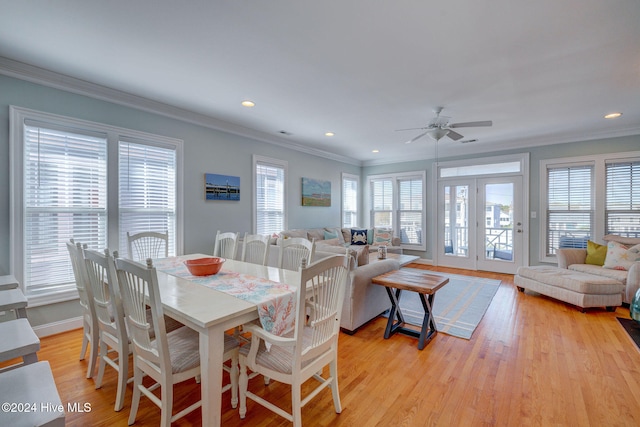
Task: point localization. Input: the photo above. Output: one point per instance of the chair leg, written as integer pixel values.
(333, 371)
(296, 408)
(85, 342)
(123, 373)
(242, 386)
(93, 355)
(135, 398)
(167, 403)
(234, 379)
(103, 353)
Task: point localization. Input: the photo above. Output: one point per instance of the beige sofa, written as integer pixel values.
(574, 259)
(343, 236)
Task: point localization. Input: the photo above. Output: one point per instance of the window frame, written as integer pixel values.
(284, 165)
(352, 178)
(396, 210)
(598, 193)
(17, 256)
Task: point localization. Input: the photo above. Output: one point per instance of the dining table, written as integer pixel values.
(195, 302)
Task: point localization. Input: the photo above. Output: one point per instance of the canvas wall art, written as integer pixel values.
(316, 192)
(221, 187)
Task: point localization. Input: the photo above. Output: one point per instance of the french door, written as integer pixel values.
(480, 223)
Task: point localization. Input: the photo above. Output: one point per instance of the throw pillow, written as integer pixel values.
(382, 237)
(621, 257)
(595, 253)
(370, 236)
(336, 231)
(328, 235)
(358, 236)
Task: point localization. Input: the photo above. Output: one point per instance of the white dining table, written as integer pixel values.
(211, 313)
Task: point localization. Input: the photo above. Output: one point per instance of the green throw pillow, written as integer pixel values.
(595, 253)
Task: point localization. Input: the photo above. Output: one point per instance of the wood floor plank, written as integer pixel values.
(532, 361)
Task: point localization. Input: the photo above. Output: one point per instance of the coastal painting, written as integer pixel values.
(316, 192)
(221, 187)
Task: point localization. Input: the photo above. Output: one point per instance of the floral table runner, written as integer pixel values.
(276, 302)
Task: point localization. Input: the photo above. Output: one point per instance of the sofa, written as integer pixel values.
(336, 236)
(363, 301)
(627, 274)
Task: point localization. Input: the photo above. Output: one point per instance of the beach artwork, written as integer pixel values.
(221, 187)
(316, 192)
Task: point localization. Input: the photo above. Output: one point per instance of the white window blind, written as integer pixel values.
(382, 203)
(65, 196)
(349, 201)
(622, 210)
(270, 197)
(410, 215)
(570, 208)
(147, 191)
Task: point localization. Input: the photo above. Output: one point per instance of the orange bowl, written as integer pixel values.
(204, 266)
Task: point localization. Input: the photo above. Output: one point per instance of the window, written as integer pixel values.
(585, 198)
(569, 208)
(147, 191)
(623, 199)
(270, 197)
(349, 200)
(62, 190)
(397, 202)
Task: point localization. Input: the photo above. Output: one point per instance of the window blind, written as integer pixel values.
(570, 208)
(349, 202)
(270, 207)
(65, 196)
(410, 195)
(382, 203)
(147, 191)
(622, 209)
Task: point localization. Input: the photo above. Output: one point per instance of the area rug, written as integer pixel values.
(633, 329)
(458, 307)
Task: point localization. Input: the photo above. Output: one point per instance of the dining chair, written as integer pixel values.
(255, 248)
(169, 358)
(293, 250)
(303, 353)
(90, 336)
(226, 245)
(147, 244)
(111, 324)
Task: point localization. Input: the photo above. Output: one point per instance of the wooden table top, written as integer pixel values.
(411, 280)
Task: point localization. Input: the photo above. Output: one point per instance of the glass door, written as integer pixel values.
(456, 241)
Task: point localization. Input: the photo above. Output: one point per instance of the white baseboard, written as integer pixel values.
(423, 261)
(58, 327)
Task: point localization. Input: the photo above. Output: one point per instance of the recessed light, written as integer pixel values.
(375, 151)
(248, 103)
(329, 134)
(612, 115)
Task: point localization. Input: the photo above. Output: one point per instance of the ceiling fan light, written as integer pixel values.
(438, 134)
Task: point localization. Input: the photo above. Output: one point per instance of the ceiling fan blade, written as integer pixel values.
(420, 128)
(414, 139)
(471, 124)
(454, 135)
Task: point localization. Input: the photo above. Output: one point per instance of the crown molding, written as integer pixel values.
(33, 74)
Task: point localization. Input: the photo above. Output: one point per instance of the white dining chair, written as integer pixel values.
(111, 324)
(255, 248)
(293, 250)
(147, 244)
(90, 335)
(303, 353)
(226, 245)
(171, 357)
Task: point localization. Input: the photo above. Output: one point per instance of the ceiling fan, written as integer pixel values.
(439, 127)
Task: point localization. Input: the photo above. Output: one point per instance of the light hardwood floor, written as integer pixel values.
(532, 361)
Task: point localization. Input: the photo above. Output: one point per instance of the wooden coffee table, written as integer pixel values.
(424, 284)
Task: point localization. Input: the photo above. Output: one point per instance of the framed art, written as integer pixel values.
(316, 192)
(221, 187)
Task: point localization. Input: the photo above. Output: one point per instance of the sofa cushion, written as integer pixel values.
(316, 234)
(595, 253)
(382, 236)
(358, 236)
(287, 234)
(619, 275)
(620, 256)
(620, 239)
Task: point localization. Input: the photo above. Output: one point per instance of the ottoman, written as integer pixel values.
(581, 289)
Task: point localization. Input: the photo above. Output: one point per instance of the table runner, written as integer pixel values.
(275, 301)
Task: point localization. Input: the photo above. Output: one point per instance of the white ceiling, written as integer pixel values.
(544, 71)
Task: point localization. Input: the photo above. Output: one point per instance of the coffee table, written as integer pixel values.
(425, 285)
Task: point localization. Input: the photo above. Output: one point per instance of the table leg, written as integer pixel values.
(394, 313)
(429, 329)
(211, 357)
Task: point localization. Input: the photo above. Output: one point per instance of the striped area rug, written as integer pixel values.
(458, 307)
